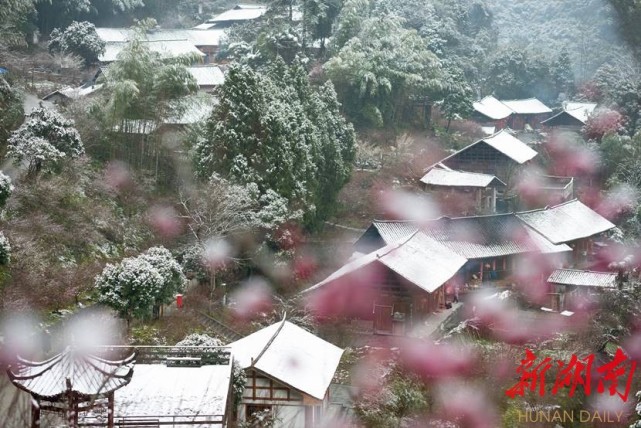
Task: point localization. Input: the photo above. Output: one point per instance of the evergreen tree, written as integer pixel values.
(381, 71)
(45, 139)
(79, 38)
(280, 135)
(12, 110)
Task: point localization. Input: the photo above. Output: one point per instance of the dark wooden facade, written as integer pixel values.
(482, 157)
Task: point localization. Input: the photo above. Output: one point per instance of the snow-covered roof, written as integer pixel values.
(418, 258)
(112, 35)
(527, 106)
(510, 146)
(240, 13)
(492, 108)
(205, 26)
(545, 246)
(74, 93)
(503, 142)
(74, 370)
(290, 355)
(199, 37)
(209, 75)
(166, 48)
(192, 109)
(584, 278)
(205, 37)
(193, 394)
(566, 222)
(488, 130)
(450, 178)
(579, 111)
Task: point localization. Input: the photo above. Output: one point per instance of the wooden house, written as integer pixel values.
(501, 155)
(528, 111)
(208, 77)
(490, 112)
(572, 118)
(392, 289)
(571, 223)
(462, 192)
(567, 283)
(201, 43)
(289, 371)
(239, 14)
(514, 114)
(539, 190)
(493, 245)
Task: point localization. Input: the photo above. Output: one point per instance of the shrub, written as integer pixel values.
(6, 188)
(5, 250)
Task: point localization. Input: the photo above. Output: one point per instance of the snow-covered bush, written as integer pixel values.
(197, 339)
(130, 287)
(173, 279)
(44, 140)
(79, 38)
(5, 250)
(136, 284)
(6, 188)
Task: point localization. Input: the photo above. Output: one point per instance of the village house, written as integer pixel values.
(500, 155)
(514, 114)
(572, 118)
(462, 192)
(201, 44)
(539, 190)
(289, 371)
(492, 244)
(239, 14)
(569, 283)
(394, 288)
(492, 113)
(530, 112)
(570, 223)
(208, 78)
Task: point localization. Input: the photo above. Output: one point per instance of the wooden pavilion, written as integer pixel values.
(71, 382)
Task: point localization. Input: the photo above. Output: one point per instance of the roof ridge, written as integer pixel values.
(395, 245)
(588, 271)
(270, 341)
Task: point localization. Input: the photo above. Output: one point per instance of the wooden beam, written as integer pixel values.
(110, 410)
(35, 413)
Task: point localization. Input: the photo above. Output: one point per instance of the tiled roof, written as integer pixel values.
(240, 13)
(504, 143)
(418, 258)
(527, 106)
(510, 146)
(393, 231)
(84, 374)
(566, 222)
(199, 37)
(210, 75)
(291, 355)
(492, 108)
(166, 48)
(452, 178)
(580, 111)
(584, 278)
(472, 237)
(482, 236)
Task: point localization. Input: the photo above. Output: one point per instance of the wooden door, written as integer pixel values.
(383, 319)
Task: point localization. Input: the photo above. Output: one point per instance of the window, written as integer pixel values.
(254, 412)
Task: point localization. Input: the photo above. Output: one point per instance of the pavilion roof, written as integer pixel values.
(71, 371)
